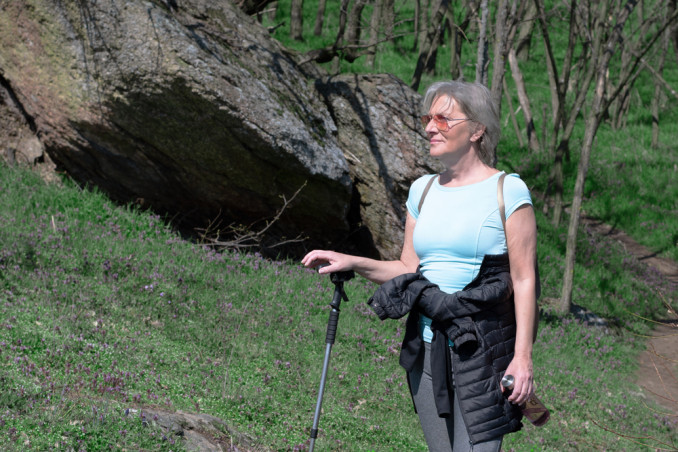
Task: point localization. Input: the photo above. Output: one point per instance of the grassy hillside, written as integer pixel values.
(105, 314)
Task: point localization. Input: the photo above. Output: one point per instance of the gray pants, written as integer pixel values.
(442, 434)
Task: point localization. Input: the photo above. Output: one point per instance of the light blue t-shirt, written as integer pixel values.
(457, 227)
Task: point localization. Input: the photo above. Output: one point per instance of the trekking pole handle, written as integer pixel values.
(338, 278)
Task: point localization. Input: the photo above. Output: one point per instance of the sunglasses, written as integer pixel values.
(440, 121)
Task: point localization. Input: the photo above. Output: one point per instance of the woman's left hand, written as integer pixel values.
(523, 385)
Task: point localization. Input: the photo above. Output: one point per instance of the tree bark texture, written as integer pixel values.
(551, 68)
(524, 100)
(417, 22)
(559, 85)
(457, 32)
(388, 16)
(658, 92)
(501, 31)
(353, 27)
(512, 114)
(524, 38)
(375, 27)
(482, 59)
(424, 19)
(430, 43)
(297, 20)
(319, 18)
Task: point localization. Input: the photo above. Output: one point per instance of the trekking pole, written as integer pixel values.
(338, 279)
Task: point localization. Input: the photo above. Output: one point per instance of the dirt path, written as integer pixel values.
(658, 364)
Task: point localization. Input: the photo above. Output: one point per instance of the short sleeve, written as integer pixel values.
(416, 190)
(516, 193)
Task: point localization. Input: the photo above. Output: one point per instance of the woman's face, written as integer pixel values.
(453, 134)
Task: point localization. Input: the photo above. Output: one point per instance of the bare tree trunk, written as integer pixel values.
(375, 23)
(319, 18)
(431, 61)
(592, 123)
(457, 40)
(297, 20)
(558, 95)
(544, 121)
(430, 43)
(532, 139)
(424, 21)
(524, 38)
(455, 46)
(656, 98)
(501, 31)
(551, 68)
(622, 109)
(339, 50)
(573, 229)
(272, 11)
(483, 59)
(673, 6)
(622, 103)
(417, 23)
(354, 23)
(512, 114)
(564, 146)
(388, 17)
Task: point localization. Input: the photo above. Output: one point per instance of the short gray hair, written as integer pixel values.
(475, 101)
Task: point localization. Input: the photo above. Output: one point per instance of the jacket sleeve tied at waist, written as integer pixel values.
(451, 314)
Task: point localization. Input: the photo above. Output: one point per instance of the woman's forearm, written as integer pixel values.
(375, 270)
(524, 297)
(380, 271)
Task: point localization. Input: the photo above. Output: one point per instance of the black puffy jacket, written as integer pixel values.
(480, 320)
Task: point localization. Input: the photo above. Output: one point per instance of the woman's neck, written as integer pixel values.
(465, 173)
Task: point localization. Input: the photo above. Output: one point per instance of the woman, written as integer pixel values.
(459, 224)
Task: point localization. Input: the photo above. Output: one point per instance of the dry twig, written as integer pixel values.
(245, 237)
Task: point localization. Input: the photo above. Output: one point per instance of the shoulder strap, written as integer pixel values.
(423, 195)
(500, 201)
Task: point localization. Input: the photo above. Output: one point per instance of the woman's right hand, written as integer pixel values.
(328, 261)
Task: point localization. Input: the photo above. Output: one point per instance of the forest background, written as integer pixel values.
(112, 322)
(558, 72)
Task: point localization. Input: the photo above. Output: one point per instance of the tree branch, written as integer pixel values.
(244, 237)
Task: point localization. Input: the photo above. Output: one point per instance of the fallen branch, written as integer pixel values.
(244, 237)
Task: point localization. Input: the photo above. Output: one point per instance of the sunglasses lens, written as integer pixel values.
(441, 122)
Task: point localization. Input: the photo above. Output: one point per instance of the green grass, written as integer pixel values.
(105, 313)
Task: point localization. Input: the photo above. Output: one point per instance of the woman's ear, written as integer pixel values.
(478, 134)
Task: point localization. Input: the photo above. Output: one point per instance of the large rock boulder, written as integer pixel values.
(197, 113)
(381, 136)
